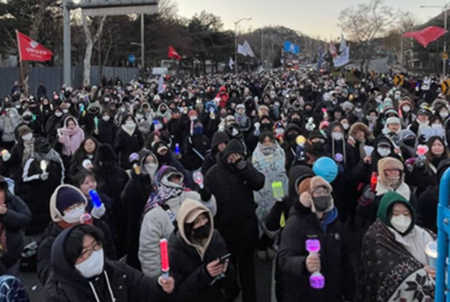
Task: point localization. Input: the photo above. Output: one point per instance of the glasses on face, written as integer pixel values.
(321, 191)
(86, 253)
(72, 208)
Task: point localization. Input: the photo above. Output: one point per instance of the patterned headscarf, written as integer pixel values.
(163, 188)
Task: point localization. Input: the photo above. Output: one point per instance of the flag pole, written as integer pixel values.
(21, 63)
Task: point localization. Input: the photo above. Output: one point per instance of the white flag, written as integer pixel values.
(248, 49)
(161, 84)
(343, 43)
(241, 50)
(343, 59)
(231, 63)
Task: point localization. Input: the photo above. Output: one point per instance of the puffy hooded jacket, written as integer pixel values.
(189, 258)
(118, 281)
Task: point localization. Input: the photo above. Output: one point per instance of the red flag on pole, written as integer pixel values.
(173, 54)
(426, 35)
(30, 50)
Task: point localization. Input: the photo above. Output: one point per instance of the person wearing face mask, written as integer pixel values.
(218, 145)
(143, 124)
(289, 144)
(67, 205)
(337, 145)
(269, 159)
(53, 123)
(314, 148)
(407, 115)
(134, 196)
(194, 148)
(359, 137)
(236, 219)
(314, 216)
(424, 170)
(391, 178)
(111, 180)
(421, 122)
(394, 263)
(128, 140)
(8, 124)
(70, 137)
(160, 214)
(107, 130)
(408, 144)
(195, 249)
(82, 272)
(392, 129)
(164, 112)
(38, 184)
(89, 120)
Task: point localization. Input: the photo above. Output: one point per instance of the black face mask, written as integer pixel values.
(318, 147)
(322, 203)
(264, 127)
(203, 231)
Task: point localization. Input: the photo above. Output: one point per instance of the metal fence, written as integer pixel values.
(52, 77)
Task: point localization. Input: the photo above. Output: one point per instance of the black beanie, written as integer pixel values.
(67, 197)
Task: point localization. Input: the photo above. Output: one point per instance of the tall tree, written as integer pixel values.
(365, 22)
(90, 41)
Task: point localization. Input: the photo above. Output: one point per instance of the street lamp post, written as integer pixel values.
(444, 59)
(236, 42)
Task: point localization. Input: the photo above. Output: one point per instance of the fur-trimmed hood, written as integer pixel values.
(310, 185)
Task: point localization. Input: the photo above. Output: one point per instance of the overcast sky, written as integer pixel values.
(312, 17)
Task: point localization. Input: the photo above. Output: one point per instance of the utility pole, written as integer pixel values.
(142, 47)
(67, 45)
(262, 47)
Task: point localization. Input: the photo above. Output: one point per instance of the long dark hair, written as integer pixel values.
(80, 155)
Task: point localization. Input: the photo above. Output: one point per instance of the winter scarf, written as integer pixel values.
(28, 151)
(390, 272)
(161, 196)
(129, 130)
(71, 139)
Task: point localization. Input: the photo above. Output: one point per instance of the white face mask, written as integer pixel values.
(345, 126)
(336, 136)
(106, 118)
(27, 137)
(151, 169)
(74, 216)
(443, 114)
(384, 151)
(130, 124)
(406, 109)
(122, 109)
(193, 118)
(66, 110)
(92, 266)
(401, 223)
(58, 114)
(139, 117)
(436, 126)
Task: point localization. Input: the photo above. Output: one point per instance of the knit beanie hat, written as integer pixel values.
(67, 197)
(192, 113)
(392, 120)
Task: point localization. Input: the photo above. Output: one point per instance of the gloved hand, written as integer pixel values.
(205, 194)
(241, 165)
(44, 176)
(97, 213)
(257, 132)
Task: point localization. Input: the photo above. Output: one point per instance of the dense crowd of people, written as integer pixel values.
(223, 167)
